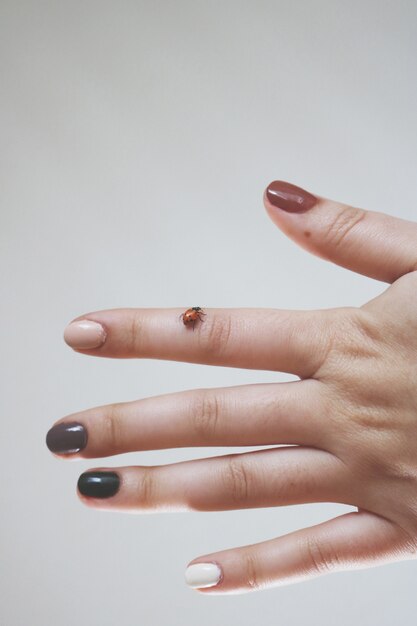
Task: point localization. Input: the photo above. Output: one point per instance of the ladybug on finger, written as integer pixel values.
(190, 316)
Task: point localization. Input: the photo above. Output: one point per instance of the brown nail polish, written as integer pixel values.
(289, 197)
(66, 438)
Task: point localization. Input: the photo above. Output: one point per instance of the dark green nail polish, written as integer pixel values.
(98, 484)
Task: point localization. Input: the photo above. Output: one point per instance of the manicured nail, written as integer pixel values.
(84, 334)
(289, 197)
(202, 575)
(66, 438)
(98, 484)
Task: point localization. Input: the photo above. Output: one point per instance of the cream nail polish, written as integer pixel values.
(200, 575)
(84, 334)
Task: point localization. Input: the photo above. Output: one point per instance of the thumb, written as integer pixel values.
(366, 242)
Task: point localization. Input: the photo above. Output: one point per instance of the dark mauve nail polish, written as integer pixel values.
(289, 198)
(66, 438)
(98, 484)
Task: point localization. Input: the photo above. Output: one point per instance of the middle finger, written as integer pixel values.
(261, 478)
(246, 415)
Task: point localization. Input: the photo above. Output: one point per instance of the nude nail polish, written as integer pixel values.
(84, 334)
(289, 198)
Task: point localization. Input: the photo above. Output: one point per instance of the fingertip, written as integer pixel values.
(84, 334)
(101, 484)
(66, 439)
(203, 575)
(285, 196)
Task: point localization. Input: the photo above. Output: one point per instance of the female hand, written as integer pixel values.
(352, 415)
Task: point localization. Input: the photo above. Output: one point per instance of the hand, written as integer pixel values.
(352, 414)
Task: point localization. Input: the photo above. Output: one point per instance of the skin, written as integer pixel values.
(352, 414)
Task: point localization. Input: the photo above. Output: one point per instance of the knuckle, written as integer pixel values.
(136, 335)
(113, 421)
(236, 480)
(352, 335)
(388, 457)
(356, 333)
(205, 411)
(320, 559)
(214, 335)
(399, 469)
(146, 488)
(371, 419)
(344, 221)
(366, 330)
(251, 571)
(354, 361)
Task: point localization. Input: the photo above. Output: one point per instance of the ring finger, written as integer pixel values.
(261, 478)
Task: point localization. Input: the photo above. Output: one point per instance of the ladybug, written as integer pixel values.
(192, 315)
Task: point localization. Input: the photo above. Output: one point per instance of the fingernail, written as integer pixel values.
(84, 334)
(66, 438)
(289, 197)
(98, 484)
(203, 575)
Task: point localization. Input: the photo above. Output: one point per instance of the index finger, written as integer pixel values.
(252, 338)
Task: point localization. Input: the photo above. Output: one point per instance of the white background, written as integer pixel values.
(136, 142)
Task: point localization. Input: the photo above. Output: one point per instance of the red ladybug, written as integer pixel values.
(191, 315)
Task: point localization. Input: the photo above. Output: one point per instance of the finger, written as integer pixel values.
(284, 340)
(367, 242)
(350, 541)
(246, 415)
(262, 478)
